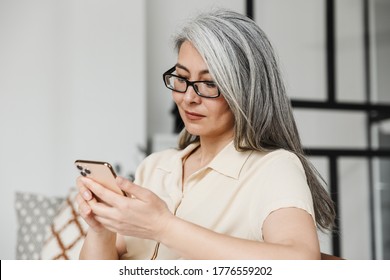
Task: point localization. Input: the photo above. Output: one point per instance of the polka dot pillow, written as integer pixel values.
(35, 213)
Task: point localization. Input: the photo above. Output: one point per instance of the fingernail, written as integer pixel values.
(119, 180)
(87, 195)
(86, 209)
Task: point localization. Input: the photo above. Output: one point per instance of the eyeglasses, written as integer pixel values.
(207, 89)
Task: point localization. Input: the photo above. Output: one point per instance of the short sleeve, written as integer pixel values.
(283, 185)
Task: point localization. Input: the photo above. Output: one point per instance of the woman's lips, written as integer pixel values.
(194, 116)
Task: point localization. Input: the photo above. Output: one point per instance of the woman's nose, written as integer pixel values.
(191, 96)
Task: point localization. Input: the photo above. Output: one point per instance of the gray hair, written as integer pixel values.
(242, 63)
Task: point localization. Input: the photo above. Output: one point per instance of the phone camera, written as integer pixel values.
(87, 171)
(79, 167)
(83, 173)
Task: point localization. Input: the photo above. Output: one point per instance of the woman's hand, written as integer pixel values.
(84, 199)
(141, 214)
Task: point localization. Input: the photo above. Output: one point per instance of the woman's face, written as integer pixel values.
(205, 117)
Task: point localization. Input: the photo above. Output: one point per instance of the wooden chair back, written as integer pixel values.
(329, 257)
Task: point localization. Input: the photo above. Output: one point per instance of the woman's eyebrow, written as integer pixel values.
(178, 65)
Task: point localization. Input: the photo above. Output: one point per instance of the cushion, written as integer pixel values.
(65, 236)
(35, 213)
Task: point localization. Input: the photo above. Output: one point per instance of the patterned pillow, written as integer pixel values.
(34, 214)
(65, 236)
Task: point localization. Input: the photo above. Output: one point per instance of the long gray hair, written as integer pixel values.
(242, 63)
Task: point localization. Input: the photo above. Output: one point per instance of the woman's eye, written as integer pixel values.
(210, 84)
(181, 80)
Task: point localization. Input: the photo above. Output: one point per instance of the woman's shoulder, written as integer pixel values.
(276, 154)
(275, 157)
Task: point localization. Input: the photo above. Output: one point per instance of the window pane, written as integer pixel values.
(297, 31)
(380, 38)
(382, 199)
(350, 51)
(331, 129)
(354, 201)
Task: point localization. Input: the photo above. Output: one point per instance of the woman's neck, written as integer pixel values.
(210, 147)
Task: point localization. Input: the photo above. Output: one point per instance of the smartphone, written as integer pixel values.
(99, 171)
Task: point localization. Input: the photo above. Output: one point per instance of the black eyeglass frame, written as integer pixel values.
(188, 83)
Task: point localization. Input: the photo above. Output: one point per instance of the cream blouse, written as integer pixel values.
(232, 195)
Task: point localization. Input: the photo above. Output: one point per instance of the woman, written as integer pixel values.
(239, 186)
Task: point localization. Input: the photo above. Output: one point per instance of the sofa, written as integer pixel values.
(48, 228)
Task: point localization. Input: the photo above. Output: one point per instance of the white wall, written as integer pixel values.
(72, 85)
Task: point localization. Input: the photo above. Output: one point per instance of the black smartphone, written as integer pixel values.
(99, 171)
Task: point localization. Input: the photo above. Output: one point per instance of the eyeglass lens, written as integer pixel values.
(207, 89)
